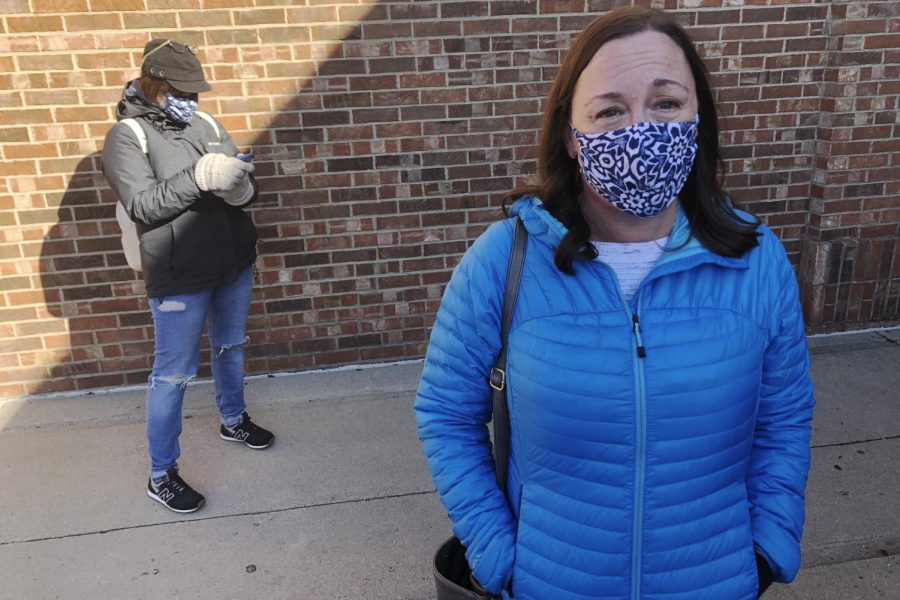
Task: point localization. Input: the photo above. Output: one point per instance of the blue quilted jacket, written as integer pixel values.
(654, 444)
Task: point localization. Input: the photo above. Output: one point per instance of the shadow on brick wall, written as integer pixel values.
(99, 328)
(317, 302)
(850, 280)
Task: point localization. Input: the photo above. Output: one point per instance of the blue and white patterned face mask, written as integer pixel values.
(179, 109)
(641, 168)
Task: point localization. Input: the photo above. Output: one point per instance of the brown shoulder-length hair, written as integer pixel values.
(707, 207)
(154, 88)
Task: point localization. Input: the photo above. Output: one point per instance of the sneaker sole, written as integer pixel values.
(231, 439)
(190, 510)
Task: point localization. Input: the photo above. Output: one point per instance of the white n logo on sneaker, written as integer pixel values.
(241, 434)
(165, 494)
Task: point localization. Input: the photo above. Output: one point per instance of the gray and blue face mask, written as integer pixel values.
(179, 109)
(641, 168)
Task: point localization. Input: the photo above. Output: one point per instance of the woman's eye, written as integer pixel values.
(607, 113)
(669, 105)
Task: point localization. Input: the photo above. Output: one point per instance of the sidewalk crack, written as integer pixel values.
(866, 441)
(887, 339)
(225, 516)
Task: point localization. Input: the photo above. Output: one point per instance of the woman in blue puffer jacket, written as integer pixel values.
(658, 376)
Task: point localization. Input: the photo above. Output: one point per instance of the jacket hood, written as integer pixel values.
(133, 104)
(682, 245)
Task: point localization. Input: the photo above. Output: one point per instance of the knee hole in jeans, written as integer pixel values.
(220, 350)
(180, 381)
(171, 306)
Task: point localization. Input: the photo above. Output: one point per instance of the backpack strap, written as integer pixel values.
(141, 135)
(208, 118)
(139, 132)
(130, 238)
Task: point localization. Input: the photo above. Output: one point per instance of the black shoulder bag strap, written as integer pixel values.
(498, 373)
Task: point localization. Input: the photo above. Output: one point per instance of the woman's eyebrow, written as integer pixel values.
(657, 83)
(667, 82)
(606, 96)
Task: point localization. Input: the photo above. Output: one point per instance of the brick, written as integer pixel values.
(116, 5)
(13, 134)
(204, 18)
(513, 7)
(561, 6)
(350, 164)
(23, 117)
(156, 20)
(367, 12)
(381, 82)
(342, 67)
(440, 28)
(51, 97)
(106, 60)
(377, 31)
(413, 11)
(21, 43)
(882, 41)
(92, 22)
(59, 6)
(721, 17)
(250, 36)
(34, 24)
(805, 13)
(486, 26)
(392, 65)
(75, 79)
(14, 7)
(259, 16)
(44, 62)
(788, 30)
(771, 14)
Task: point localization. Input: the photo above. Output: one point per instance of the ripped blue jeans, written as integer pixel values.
(178, 327)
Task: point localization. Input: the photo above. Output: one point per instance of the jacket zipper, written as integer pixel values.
(636, 328)
(640, 352)
(640, 457)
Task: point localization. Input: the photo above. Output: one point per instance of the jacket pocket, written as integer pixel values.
(202, 244)
(524, 512)
(243, 236)
(158, 248)
(173, 252)
(749, 569)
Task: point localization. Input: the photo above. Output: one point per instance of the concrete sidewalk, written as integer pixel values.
(342, 505)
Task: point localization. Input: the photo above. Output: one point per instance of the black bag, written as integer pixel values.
(452, 576)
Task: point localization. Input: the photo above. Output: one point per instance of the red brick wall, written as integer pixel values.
(386, 134)
(851, 254)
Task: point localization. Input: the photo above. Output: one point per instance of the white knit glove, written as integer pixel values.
(240, 195)
(220, 173)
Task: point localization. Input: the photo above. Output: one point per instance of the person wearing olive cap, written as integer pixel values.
(182, 182)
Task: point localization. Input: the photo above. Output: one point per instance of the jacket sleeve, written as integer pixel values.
(780, 458)
(131, 177)
(229, 148)
(453, 407)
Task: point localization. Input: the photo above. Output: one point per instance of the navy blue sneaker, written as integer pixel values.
(174, 493)
(248, 432)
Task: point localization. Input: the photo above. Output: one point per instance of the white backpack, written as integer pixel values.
(130, 241)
